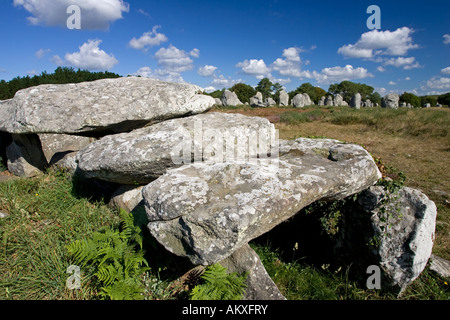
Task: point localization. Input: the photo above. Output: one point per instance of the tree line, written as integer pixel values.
(61, 75)
(346, 89)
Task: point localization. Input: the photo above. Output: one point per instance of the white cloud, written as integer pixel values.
(172, 59)
(446, 38)
(401, 62)
(143, 72)
(207, 71)
(407, 78)
(195, 53)
(220, 82)
(376, 42)
(353, 51)
(148, 39)
(254, 67)
(210, 89)
(89, 57)
(392, 83)
(439, 83)
(95, 14)
(381, 69)
(41, 53)
(446, 70)
(144, 13)
(338, 74)
(292, 54)
(291, 65)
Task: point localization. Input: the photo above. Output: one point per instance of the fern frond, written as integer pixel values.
(219, 285)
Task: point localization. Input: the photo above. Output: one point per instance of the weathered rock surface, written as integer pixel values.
(25, 156)
(338, 100)
(367, 104)
(259, 284)
(329, 101)
(107, 105)
(301, 100)
(257, 100)
(56, 146)
(145, 154)
(322, 101)
(284, 98)
(268, 102)
(402, 227)
(390, 101)
(208, 211)
(356, 101)
(440, 266)
(127, 197)
(230, 98)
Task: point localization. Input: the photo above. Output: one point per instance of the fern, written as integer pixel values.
(219, 285)
(118, 258)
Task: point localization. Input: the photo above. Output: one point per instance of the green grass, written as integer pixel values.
(300, 281)
(44, 217)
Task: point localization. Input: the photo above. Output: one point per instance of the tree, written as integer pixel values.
(410, 98)
(243, 91)
(265, 87)
(277, 88)
(432, 100)
(348, 89)
(60, 76)
(444, 99)
(315, 93)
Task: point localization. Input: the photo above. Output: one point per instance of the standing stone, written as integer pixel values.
(368, 104)
(390, 101)
(218, 102)
(102, 106)
(338, 100)
(427, 105)
(356, 101)
(284, 98)
(257, 100)
(329, 101)
(409, 105)
(322, 101)
(298, 101)
(301, 100)
(400, 229)
(307, 99)
(268, 102)
(230, 99)
(403, 104)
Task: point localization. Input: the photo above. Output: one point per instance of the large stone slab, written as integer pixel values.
(143, 155)
(207, 211)
(107, 105)
(403, 225)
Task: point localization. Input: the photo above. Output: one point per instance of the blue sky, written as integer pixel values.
(216, 44)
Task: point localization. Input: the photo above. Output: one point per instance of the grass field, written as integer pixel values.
(48, 212)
